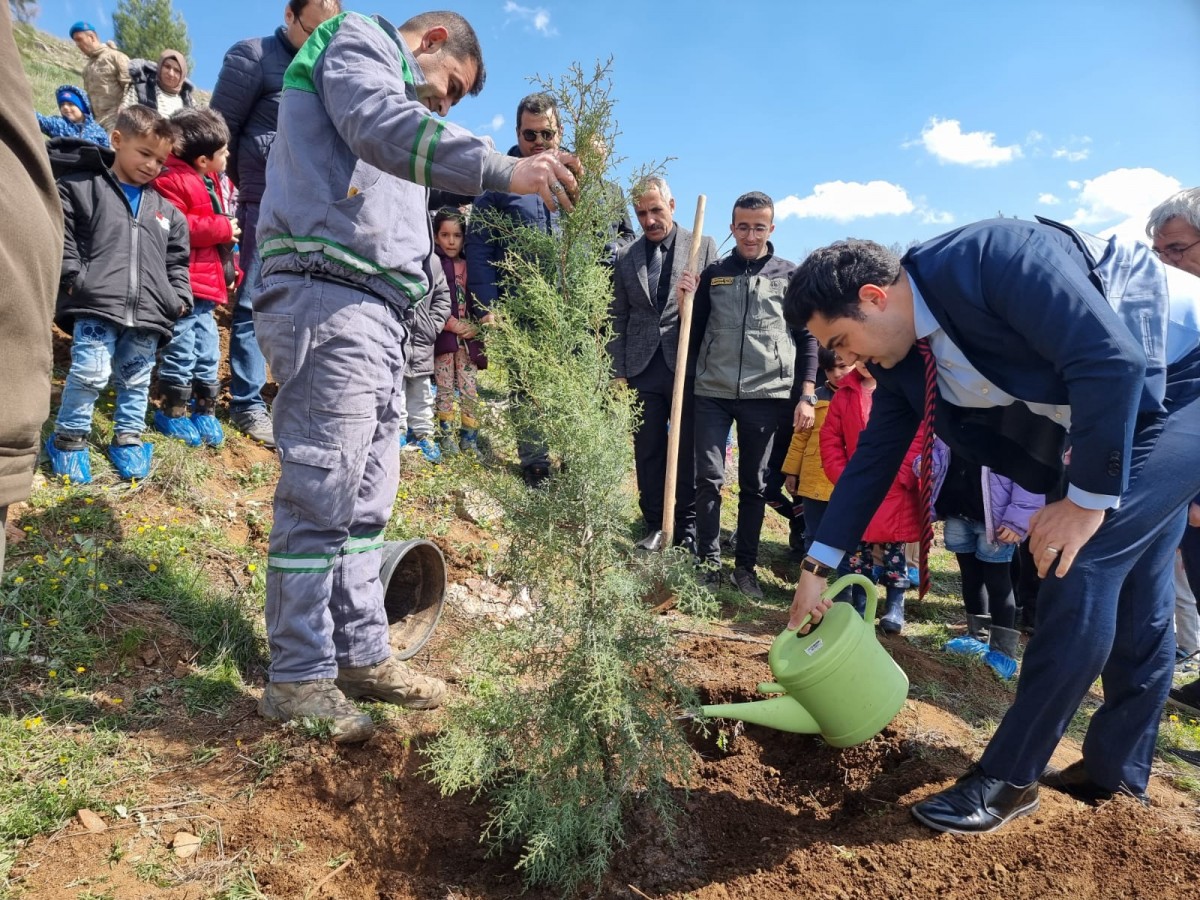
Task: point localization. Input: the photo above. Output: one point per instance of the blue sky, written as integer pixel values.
(889, 120)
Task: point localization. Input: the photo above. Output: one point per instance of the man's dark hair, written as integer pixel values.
(754, 200)
(829, 280)
(202, 132)
(461, 41)
(142, 121)
(538, 104)
(298, 6)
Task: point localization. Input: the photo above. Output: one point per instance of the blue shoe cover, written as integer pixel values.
(1002, 665)
(75, 464)
(131, 460)
(209, 429)
(429, 449)
(180, 428)
(403, 439)
(968, 646)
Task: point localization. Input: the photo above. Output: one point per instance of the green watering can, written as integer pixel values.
(837, 680)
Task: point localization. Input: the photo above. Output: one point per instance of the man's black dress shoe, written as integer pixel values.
(976, 804)
(1075, 781)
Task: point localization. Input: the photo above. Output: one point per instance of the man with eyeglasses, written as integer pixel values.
(743, 358)
(247, 94)
(346, 246)
(1174, 229)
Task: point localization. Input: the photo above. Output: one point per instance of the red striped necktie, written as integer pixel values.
(926, 475)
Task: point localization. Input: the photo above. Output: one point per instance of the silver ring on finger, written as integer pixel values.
(1053, 550)
(556, 187)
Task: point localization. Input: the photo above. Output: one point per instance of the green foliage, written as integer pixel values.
(24, 11)
(145, 28)
(569, 714)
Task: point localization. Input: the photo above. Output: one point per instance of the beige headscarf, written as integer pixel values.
(179, 59)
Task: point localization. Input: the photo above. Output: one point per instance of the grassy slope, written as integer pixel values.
(51, 61)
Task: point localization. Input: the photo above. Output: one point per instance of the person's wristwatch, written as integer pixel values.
(817, 567)
(810, 399)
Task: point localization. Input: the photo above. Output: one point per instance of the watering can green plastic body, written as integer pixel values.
(837, 681)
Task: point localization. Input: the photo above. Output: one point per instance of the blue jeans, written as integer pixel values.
(100, 350)
(192, 355)
(247, 365)
(963, 535)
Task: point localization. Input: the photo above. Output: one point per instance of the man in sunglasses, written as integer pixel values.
(538, 131)
(346, 245)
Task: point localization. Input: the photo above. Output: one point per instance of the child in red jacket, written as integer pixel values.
(898, 519)
(188, 373)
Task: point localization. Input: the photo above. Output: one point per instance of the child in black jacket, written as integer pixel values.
(124, 282)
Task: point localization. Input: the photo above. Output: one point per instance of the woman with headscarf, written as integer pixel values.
(163, 86)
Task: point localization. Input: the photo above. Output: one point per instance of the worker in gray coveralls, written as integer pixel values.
(346, 244)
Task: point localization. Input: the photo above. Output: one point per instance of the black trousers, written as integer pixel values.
(757, 422)
(653, 387)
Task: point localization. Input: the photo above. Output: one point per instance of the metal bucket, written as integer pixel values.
(413, 574)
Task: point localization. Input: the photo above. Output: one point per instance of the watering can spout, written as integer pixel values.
(781, 713)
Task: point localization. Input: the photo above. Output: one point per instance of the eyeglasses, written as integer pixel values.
(303, 27)
(757, 230)
(531, 135)
(1174, 251)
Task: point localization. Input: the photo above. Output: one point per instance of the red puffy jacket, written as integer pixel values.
(899, 516)
(184, 187)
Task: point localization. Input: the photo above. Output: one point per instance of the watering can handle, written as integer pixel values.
(836, 588)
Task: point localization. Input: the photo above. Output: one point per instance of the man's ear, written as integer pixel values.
(873, 295)
(433, 38)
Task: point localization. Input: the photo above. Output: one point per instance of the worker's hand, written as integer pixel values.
(808, 600)
(621, 383)
(688, 282)
(1057, 531)
(488, 319)
(236, 229)
(790, 482)
(553, 175)
(1194, 515)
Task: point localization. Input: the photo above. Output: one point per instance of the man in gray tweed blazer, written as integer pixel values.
(645, 314)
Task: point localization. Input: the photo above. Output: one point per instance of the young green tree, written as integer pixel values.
(569, 713)
(25, 11)
(145, 28)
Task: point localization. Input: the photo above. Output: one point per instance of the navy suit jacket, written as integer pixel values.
(1026, 303)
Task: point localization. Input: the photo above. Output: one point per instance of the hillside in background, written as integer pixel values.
(50, 61)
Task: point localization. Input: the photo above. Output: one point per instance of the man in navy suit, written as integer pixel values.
(1061, 365)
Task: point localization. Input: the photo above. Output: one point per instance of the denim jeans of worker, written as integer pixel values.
(99, 351)
(247, 365)
(192, 355)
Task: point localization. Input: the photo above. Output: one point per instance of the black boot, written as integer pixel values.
(978, 627)
(892, 620)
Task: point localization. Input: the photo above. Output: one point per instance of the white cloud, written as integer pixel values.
(946, 140)
(1072, 155)
(535, 17)
(936, 217)
(497, 122)
(1119, 201)
(1034, 137)
(1048, 200)
(844, 201)
(1074, 185)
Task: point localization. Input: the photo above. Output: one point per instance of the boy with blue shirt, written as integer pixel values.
(124, 283)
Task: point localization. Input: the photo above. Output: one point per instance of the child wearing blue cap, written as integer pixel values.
(75, 117)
